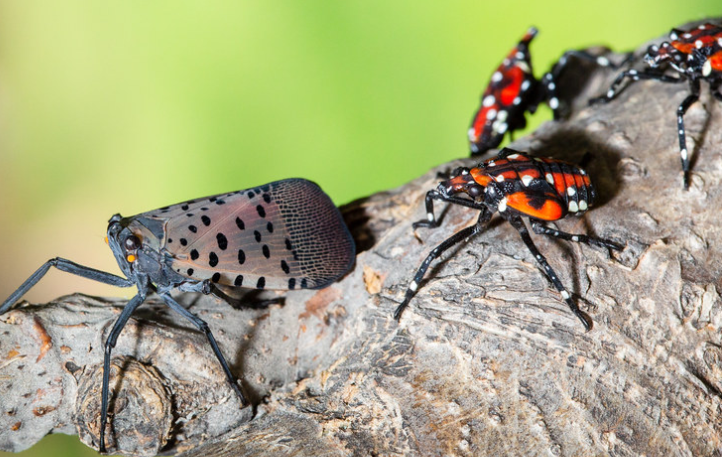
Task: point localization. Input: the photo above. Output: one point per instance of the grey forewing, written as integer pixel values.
(283, 235)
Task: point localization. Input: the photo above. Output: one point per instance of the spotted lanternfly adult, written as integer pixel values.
(515, 185)
(284, 235)
(513, 91)
(694, 55)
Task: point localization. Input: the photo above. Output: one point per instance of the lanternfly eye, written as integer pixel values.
(475, 191)
(132, 243)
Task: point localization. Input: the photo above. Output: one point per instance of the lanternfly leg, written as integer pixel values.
(683, 107)
(432, 195)
(247, 302)
(436, 252)
(634, 75)
(549, 80)
(521, 228)
(109, 345)
(601, 242)
(203, 327)
(68, 267)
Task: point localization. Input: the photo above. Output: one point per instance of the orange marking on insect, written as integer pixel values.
(688, 48)
(682, 47)
(532, 172)
(508, 175)
(131, 258)
(551, 210)
(458, 183)
(559, 183)
(578, 181)
(715, 61)
(569, 180)
(519, 158)
(480, 176)
(106, 240)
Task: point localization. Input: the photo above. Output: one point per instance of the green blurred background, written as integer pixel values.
(127, 106)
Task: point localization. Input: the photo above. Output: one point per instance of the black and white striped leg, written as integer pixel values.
(541, 229)
(436, 252)
(431, 221)
(549, 83)
(681, 110)
(203, 327)
(634, 75)
(130, 307)
(68, 267)
(549, 80)
(526, 237)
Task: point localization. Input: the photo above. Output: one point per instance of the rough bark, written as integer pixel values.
(488, 360)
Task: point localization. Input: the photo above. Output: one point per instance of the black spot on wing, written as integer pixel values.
(222, 241)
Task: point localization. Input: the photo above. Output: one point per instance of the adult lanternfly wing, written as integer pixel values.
(283, 235)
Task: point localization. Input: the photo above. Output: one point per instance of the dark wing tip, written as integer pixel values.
(318, 234)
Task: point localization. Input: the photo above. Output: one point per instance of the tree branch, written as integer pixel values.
(487, 360)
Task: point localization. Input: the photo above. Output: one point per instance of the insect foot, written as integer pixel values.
(141, 408)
